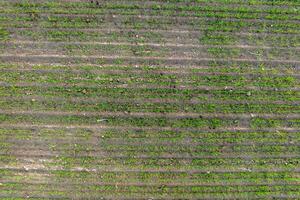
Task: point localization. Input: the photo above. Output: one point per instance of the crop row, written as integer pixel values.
(209, 68)
(170, 135)
(135, 192)
(57, 7)
(145, 23)
(155, 51)
(47, 105)
(151, 152)
(195, 149)
(251, 164)
(154, 37)
(123, 154)
(162, 177)
(169, 2)
(194, 189)
(45, 59)
(212, 68)
(207, 13)
(230, 2)
(155, 163)
(126, 93)
(185, 122)
(162, 143)
(111, 70)
(104, 79)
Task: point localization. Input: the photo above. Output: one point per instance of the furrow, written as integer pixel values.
(8, 57)
(149, 86)
(158, 184)
(100, 127)
(172, 45)
(115, 170)
(145, 157)
(144, 114)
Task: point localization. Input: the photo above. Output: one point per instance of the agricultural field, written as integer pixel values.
(153, 99)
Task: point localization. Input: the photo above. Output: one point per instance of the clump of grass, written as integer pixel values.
(4, 34)
(217, 39)
(261, 123)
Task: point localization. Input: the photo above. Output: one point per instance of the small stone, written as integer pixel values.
(249, 93)
(101, 120)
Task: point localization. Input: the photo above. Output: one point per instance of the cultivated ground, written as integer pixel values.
(155, 99)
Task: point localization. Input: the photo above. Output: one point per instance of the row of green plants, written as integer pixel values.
(123, 163)
(221, 14)
(152, 151)
(140, 93)
(98, 20)
(247, 70)
(130, 50)
(241, 68)
(169, 164)
(103, 80)
(164, 24)
(115, 106)
(143, 61)
(162, 189)
(57, 7)
(208, 38)
(184, 122)
(163, 175)
(57, 192)
(86, 134)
